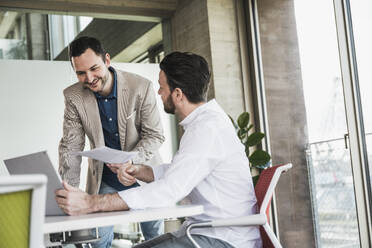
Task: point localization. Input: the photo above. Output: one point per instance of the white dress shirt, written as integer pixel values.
(210, 169)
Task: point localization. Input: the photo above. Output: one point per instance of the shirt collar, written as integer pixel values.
(113, 93)
(212, 105)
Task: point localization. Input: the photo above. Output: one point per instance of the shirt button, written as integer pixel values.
(116, 134)
(106, 100)
(110, 119)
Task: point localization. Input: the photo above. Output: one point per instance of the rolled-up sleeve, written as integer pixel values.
(159, 170)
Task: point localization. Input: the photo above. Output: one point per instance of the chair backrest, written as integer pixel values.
(264, 190)
(22, 210)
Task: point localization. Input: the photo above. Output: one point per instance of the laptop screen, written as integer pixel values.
(39, 163)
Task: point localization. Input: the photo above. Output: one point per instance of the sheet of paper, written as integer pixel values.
(107, 155)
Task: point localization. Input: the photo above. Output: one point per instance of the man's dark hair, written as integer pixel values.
(189, 72)
(78, 46)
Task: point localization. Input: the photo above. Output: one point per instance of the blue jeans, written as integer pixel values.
(150, 229)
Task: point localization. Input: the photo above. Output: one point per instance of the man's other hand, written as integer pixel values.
(74, 201)
(115, 167)
(125, 172)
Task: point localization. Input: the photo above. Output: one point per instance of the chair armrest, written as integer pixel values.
(251, 220)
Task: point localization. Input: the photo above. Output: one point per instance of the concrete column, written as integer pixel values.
(208, 28)
(37, 37)
(225, 51)
(287, 119)
(166, 29)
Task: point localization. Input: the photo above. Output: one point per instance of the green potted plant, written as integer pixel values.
(258, 159)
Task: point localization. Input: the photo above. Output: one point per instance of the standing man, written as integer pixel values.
(112, 108)
(210, 167)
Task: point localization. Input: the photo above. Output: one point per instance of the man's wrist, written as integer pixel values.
(136, 171)
(94, 203)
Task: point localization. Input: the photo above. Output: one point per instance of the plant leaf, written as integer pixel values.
(255, 179)
(249, 127)
(254, 139)
(233, 122)
(243, 120)
(259, 158)
(242, 133)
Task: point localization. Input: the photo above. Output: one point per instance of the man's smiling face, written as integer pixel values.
(91, 70)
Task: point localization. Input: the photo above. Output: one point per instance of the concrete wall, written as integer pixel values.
(190, 31)
(225, 52)
(287, 119)
(208, 28)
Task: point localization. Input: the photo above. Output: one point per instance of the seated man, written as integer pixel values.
(210, 167)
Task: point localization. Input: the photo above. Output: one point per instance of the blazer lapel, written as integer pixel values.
(122, 101)
(93, 118)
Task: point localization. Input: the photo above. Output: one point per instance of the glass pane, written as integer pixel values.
(36, 36)
(362, 20)
(63, 29)
(13, 35)
(333, 199)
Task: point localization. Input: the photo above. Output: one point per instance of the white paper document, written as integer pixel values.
(107, 155)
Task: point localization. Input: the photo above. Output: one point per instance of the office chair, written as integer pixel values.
(264, 191)
(22, 210)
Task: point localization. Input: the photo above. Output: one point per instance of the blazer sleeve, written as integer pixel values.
(152, 136)
(73, 139)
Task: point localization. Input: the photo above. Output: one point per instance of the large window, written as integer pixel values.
(328, 159)
(362, 21)
(37, 36)
(63, 29)
(13, 35)
(336, 153)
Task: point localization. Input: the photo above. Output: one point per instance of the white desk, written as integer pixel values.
(55, 224)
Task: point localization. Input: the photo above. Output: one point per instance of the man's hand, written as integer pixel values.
(125, 172)
(115, 167)
(74, 201)
(129, 173)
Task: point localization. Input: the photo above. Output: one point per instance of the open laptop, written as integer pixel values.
(39, 163)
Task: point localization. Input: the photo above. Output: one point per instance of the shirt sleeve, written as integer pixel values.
(159, 170)
(200, 152)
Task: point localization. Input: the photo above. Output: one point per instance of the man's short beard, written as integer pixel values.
(87, 84)
(103, 80)
(169, 105)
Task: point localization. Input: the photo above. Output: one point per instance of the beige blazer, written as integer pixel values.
(139, 127)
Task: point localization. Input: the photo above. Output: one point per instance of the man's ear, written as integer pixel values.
(107, 60)
(178, 94)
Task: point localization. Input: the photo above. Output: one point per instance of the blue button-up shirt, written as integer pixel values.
(108, 109)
